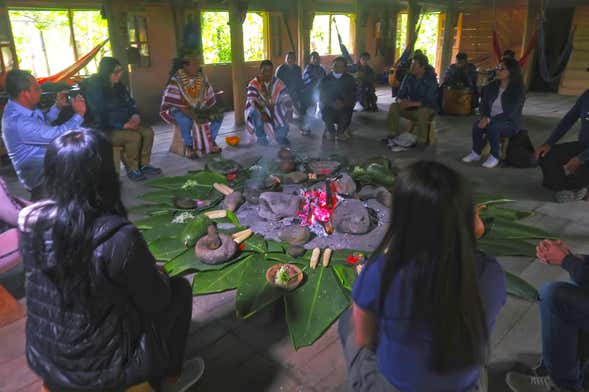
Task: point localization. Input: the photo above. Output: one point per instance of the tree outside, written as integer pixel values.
(216, 37)
(324, 38)
(253, 37)
(44, 43)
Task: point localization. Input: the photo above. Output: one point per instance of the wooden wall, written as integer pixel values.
(477, 28)
(575, 79)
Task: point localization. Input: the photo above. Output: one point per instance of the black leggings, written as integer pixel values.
(174, 322)
(552, 168)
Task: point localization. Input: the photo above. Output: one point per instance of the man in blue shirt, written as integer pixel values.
(417, 100)
(564, 317)
(26, 130)
(566, 166)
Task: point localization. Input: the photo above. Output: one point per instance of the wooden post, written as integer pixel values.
(116, 15)
(531, 24)
(449, 24)
(392, 35)
(237, 14)
(305, 16)
(360, 33)
(412, 19)
(70, 17)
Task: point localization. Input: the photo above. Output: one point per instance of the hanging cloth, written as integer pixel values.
(73, 69)
(545, 73)
(529, 48)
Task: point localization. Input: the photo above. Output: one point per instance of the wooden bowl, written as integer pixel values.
(294, 272)
(232, 140)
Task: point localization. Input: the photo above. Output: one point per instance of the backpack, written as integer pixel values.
(520, 151)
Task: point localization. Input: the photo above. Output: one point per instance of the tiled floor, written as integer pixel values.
(256, 355)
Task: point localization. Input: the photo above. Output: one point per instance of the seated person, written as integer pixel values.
(268, 108)
(462, 74)
(190, 101)
(502, 102)
(563, 317)
(365, 78)
(9, 208)
(113, 111)
(507, 53)
(26, 131)
(312, 75)
(425, 304)
(337, 97)
(565, 166)
(290, 73)
(401, 69)
(417, 100)
(126, 321)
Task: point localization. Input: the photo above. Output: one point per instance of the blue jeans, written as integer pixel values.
(564, 313)
(494, 131)
(258, 123)
(185, 124)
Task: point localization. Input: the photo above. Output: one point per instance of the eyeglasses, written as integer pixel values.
(500, 68)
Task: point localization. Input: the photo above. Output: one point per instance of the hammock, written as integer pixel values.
(564, 56)
(73, 69)
(499, 53)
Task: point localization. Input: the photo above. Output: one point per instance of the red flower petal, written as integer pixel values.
(241, 246)
(352, 259)
(231, 176)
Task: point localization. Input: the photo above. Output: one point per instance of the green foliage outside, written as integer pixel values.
(216, 37)
(320, 33)
(427, 38)
(44, 43)
(253, 37)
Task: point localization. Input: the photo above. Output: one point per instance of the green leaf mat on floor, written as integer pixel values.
(325, 291)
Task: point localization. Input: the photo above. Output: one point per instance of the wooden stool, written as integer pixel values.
(117, 152)
(431, 132)
(10, 309)
(177, 145)
(503, 151)
(143, 387)
(457, 100)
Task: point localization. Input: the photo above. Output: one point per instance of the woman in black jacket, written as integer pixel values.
(502, 102)
(100, 314)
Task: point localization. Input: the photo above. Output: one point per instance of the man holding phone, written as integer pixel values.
(566, 166)
(26, 130)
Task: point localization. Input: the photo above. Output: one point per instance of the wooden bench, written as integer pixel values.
(177, 145)
(431, 131)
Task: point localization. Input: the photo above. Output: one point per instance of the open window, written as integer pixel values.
(324, 37)
(216, 37)
(40, 44)
(137, 28)
(255, 33)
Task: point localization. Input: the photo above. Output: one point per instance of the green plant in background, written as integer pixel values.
(216, 37)
(325, 292)
(253, 37)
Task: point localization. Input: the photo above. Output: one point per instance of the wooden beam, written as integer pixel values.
(448, 40)
(531, 24)
(360, 32)
(237, 14)
(305, 16)
(412, 19)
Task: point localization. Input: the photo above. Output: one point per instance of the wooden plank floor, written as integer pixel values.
(256, 355)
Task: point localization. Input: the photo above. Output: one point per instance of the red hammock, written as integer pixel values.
(73, 69)
(531, 45)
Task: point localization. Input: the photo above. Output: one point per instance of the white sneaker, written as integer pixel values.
(192, 371)
(491, 162)
(472, 157)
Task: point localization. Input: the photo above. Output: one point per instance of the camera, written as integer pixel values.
(72, 94)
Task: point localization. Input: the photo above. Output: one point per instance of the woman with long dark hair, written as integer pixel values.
(113, 110)
(502, 102)
(425, 303)
(100, 314)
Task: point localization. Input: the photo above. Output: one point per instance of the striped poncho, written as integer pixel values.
(195, 94)
(274, 101)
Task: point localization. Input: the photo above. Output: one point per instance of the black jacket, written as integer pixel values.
(512, 100)
(116, 344)
(332, 89)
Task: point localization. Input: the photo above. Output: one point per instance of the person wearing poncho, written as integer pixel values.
(268, 107)
(190, 101)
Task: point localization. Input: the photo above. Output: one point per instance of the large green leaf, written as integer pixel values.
(284, 258)
(149, 209)
(345, 275)
(493, 211)
(506, 247)
(165, 249)
(154, 221)
(256, 243)
(188, 261)
(209, 282)
(518, 287)
(173, 183)
(200, 192)
(314, 306)
(253, 292)
(500, 228)
(340, 256)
